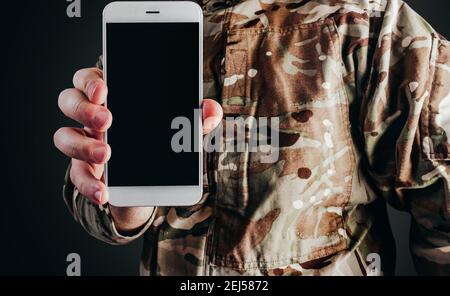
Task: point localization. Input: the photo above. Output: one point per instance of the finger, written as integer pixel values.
(74, 143)
(74, 104)
(212, 115)
(83, 176)
(91, 83)
(94, 134)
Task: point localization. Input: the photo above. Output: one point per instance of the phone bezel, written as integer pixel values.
(169, 11)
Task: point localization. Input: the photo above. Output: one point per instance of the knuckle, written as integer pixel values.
(58, 136)
(67, 100)
(76, 76)
(62, 97)
(88, 152)
(59, 132)
(56, 139)
(74, 151)
(77, 107)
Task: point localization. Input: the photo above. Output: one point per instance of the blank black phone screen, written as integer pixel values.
(153, 78)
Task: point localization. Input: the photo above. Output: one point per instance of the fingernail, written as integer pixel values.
(100, 119)
(105, 197)
(101, 197)
(91, 89)
(99, 154)
(211, 123)
(98, 196)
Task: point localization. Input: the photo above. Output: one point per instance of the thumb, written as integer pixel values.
(212, 115)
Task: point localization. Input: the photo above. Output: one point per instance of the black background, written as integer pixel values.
(41, 48)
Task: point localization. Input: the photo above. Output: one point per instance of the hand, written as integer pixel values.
(84, 146)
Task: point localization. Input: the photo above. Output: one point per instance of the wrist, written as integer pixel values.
(129, 221)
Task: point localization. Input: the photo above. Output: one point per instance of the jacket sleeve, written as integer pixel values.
(95, 219)
(405, 123)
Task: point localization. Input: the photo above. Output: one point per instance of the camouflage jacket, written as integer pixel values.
(362, 93)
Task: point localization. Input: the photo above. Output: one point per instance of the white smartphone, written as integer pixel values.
(153, 59)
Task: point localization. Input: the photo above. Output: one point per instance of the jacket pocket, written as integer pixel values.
(290, 210)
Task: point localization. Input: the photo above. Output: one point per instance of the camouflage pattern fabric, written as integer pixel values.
(362, 92)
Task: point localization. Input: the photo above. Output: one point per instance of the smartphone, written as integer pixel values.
(152, 63)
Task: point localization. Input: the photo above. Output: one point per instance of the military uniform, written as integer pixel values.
(362, 93)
